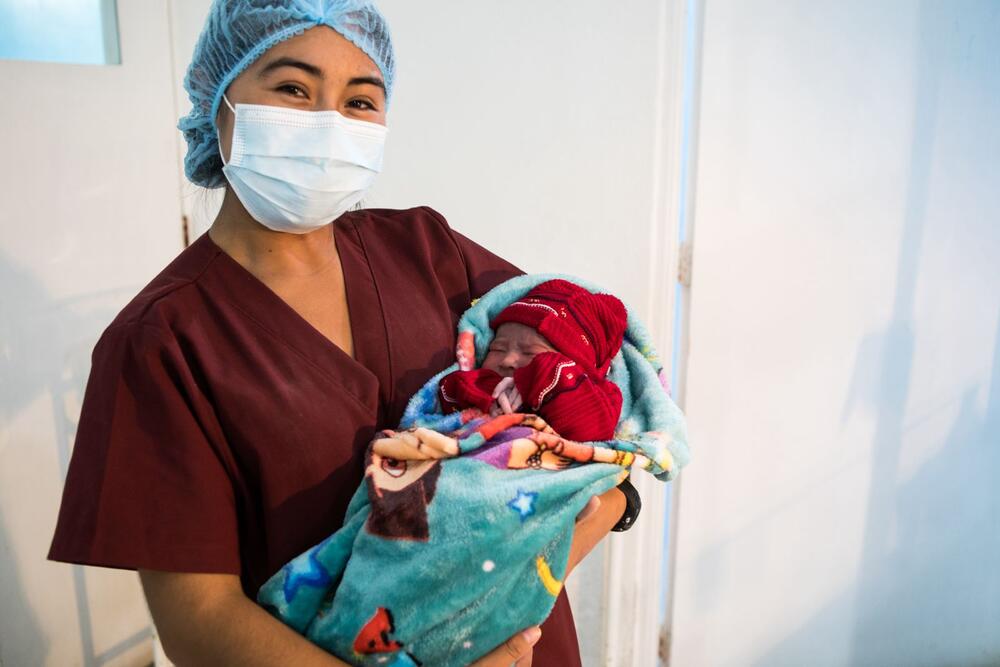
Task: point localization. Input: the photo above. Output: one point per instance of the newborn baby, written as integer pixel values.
(550, 354)
(462, 529)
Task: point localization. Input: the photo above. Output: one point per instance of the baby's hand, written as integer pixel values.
(506, 398)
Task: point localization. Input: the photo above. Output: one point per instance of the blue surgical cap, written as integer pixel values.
(238, 32)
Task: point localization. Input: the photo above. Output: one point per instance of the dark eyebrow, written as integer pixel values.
(290, 62)
(373, 80)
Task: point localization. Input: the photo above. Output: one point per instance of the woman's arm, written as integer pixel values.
(205, 619)
(594, 524)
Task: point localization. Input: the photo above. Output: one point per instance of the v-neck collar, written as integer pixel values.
(371, 361)
(372, 344)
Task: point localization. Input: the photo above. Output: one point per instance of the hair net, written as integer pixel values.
(236, 33)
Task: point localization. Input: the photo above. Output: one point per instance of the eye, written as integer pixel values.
(362, 104)
(293, 90)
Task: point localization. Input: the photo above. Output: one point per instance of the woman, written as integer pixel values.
(230, 402)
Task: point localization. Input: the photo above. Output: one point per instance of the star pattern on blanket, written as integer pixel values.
(523, 503)
(307, 572)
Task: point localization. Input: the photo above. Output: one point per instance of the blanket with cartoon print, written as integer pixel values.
(460, 534)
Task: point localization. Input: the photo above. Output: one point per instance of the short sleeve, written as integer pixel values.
(484, 269)
(147, 485)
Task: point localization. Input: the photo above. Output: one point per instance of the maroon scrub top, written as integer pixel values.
(221, 432)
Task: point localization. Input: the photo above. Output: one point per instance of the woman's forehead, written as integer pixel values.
(321, 49)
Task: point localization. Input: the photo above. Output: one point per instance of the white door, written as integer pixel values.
(843, 385)
(89, 212)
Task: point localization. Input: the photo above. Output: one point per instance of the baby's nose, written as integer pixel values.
(512, 360)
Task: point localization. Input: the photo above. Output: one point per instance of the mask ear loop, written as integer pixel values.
(218, 139)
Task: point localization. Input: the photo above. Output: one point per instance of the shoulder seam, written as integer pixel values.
(139, 317)
(443, 224)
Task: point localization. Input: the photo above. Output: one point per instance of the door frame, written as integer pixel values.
(636, 632)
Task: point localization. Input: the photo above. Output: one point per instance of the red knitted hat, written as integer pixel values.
(588, 328)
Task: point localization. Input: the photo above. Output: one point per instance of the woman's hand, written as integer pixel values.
(517, 650)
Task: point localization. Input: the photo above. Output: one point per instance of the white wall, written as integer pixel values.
(843, 386)
(88, 214)
(530, 127)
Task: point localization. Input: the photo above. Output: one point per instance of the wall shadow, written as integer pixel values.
(913, 602)
(912, 577)
(45, 347)
(20, 623)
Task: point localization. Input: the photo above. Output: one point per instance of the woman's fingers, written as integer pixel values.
(516, 650)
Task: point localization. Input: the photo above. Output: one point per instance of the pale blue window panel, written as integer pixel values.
(60, 31)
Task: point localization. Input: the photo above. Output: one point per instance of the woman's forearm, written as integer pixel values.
(205, 619)
(595, 526)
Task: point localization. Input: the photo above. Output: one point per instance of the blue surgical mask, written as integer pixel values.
(295, 171)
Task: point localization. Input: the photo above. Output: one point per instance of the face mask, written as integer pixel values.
(295, 171)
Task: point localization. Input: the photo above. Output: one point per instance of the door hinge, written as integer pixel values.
(664, 652)
(684, 254)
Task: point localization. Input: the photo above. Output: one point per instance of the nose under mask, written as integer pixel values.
(296, 171)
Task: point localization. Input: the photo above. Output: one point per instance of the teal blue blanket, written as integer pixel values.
(460, 534)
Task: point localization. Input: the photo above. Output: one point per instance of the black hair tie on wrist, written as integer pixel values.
(633, 504)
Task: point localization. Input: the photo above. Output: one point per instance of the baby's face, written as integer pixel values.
(514, 346)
